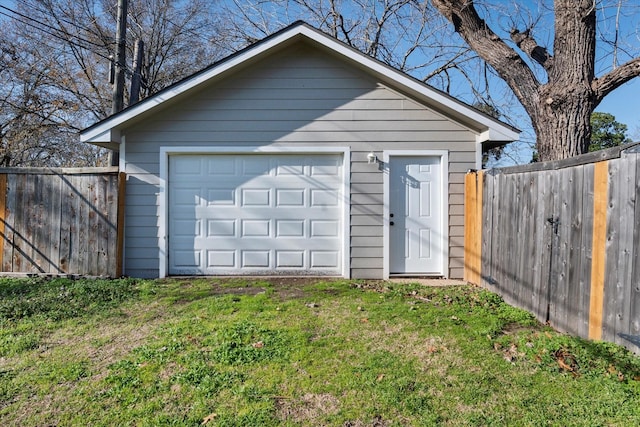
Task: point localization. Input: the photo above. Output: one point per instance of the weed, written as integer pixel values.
(245, 342)
(60, 298)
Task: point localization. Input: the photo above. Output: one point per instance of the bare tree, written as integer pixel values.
(557, 87)
(406, 34)
(56, 60)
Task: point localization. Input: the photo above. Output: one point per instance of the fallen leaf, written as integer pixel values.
(208, 418)
(258, 344)
(364, 320)
(380, 377)
(563, 365)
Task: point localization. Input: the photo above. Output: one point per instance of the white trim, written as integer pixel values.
(121, 153)
(107, 131)
(444, 162)
(478, 156)
(163, 224)
(121, 168)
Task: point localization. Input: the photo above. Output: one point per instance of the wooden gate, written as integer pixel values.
(61, 221)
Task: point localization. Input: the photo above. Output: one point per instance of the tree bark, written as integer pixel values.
(560, 109)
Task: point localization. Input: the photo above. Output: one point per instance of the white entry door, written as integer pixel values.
(416, 238)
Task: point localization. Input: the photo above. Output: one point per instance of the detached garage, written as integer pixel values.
(297, 155)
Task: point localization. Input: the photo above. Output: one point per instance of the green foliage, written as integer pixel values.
(245, 342)
(317, 353)
(60, 298)
(606, 132)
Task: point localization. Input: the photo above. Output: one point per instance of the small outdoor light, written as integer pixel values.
(372, 158)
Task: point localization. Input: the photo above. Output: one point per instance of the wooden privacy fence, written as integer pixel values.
(562, 240)
(61, 221)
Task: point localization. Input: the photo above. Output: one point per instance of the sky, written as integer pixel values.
(622, 103)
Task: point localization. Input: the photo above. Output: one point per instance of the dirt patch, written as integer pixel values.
(377, 421)
(247, 290)
(309, 407)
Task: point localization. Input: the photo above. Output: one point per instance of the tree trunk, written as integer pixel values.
(562, 115)
(560, 109)
(562, 125)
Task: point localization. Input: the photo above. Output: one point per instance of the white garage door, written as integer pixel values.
(255, 214)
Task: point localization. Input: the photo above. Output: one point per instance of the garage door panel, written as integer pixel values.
(252, 197)
(220, 196)
(221, 259)
(255, 214)
(221, 228)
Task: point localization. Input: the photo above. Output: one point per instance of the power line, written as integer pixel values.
(78, 26)
(65, 39)
(46, 26)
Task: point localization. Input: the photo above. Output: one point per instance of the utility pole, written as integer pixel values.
(136, 79)
(121, 44)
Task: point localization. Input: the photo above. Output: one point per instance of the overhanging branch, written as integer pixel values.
(606, 84)
(492, 49)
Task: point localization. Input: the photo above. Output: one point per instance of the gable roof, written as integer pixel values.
(488, 130)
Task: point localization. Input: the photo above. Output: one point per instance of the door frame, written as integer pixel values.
(163, 190)
(387, 156)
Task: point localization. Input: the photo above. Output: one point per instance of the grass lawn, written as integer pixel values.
(291, 352)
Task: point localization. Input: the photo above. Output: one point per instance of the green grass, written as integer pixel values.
(295, 352)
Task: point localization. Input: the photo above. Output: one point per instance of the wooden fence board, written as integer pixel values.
(560, 261)
(54, 222)
(549, 260)
(67, 211)
(38, 244)
(575, 209)
(3, 213)
(584, 273)
(599, 243)
(539, 247)
(9, 223)
(634, 300)
(626, 182)
(487, 225)
(612, 251)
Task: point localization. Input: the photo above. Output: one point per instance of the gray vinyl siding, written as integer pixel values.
(301, 96)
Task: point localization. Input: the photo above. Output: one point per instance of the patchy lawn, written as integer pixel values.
(295, 352)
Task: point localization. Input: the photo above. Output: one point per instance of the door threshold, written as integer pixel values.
(416, 276)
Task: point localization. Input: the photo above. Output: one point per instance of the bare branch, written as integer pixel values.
(528, 45)
(490, 47)
(606, 84)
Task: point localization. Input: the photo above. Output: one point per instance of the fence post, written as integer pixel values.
(473, 227)
(600, 196)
